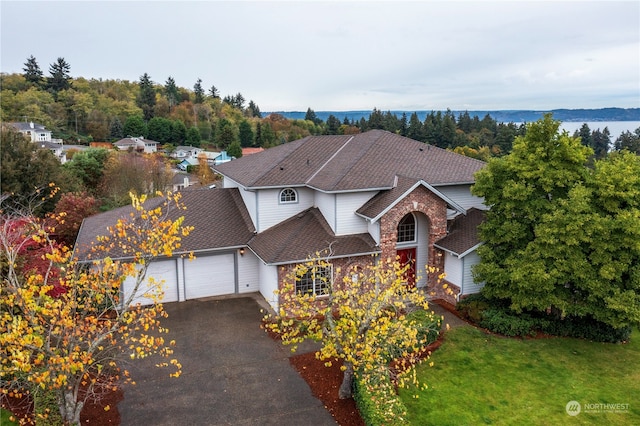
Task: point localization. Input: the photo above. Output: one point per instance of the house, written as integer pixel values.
(183, 180)
(184, 164)
(182, 152)
(37, 133)
(139, 144)
(374, 195)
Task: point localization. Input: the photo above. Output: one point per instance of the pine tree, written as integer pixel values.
(214, 92)
(171, 92)
(198, 92)
(60, 78)
(117, 129)
(147, 97)
(32, 71)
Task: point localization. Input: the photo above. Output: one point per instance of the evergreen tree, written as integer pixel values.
(147, 97)
(376, 120)
(628, 141)
(234, 149)
(311, 116)
(171, 92)
(198, 91)
(193, 137)
(178, 132)
(245, 133)
(333, 125)
(159, 129)
(584, 134)
(135, 127)
(403, 125)
(600, 142)
(253, 110)
(32, 72)
(415, 130)
(116, 131)
(214, 92)
(60, 78)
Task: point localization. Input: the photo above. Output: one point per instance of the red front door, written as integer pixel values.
(408, 256)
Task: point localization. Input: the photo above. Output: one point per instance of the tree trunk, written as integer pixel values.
(346, 388)
(70, 408)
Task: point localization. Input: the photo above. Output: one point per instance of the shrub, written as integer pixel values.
(584, 328)
(377, 401)
(500, 320)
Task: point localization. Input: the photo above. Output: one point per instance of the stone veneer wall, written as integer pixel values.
(435, 209)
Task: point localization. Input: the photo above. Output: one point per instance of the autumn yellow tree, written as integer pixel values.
(66, 341)
(365, 318)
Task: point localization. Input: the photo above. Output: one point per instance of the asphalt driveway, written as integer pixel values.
(232, 373)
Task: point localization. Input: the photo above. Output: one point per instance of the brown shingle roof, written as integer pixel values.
(219, 217)
(463, 234)
(303, 235)
(365, 161)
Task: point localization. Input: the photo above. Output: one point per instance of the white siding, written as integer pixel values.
(250, 200)
(271, 212)
(248, 274)
(269, 283)
(461, 194)
(374, 231)
(469, 285)
(347, 222)
(326, 203)
(229, 183)
(453, 268)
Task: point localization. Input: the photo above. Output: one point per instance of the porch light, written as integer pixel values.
(242, 251)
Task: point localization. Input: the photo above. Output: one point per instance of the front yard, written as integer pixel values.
(478, 378)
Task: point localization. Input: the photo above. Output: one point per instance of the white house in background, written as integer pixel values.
(183, 152)
(37, 133)
(139, 144)
(369, 196)
(182, 180)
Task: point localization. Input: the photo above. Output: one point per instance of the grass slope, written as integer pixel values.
(486, 379)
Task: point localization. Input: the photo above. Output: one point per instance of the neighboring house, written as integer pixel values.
(183, 152)
(184, 164)
(374, 195)
(139, 144)
(222, 158)
(183, 180)
(37, 133)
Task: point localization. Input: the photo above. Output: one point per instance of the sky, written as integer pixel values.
(342, 56)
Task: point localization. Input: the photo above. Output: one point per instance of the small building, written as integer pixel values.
(37, 133)
(138, 144)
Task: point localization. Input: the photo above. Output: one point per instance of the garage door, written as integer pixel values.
(159, 270)
(209, 276)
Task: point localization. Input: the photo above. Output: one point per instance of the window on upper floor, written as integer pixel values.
(407, 229)
(315, 281)
(288, 195)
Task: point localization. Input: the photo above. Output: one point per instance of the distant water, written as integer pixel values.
(616, 128)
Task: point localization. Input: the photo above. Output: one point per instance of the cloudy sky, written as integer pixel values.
(339, 56)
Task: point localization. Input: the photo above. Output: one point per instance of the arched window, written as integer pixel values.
(407, 229)
(288, 195)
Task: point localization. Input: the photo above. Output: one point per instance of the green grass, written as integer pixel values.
(5, 416)
(486, 379)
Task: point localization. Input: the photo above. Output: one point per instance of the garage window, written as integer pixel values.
(315, 281)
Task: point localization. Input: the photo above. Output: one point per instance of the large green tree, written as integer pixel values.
(135, 127)
(60, 78)
(198, 92)
(629, 141)
(561, 235)
(171, 92)
(147, 96)
(32, 72)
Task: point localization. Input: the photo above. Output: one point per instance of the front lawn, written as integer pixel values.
(486, 379)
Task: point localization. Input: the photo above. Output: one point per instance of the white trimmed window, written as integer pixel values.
(315, 281)
(407, 229)
(288, 195)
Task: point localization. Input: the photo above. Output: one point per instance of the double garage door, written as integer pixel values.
(185, 279)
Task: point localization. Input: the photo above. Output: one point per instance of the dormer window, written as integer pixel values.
(407, 229)
(288, 195)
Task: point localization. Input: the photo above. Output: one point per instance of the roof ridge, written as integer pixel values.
(329, 160)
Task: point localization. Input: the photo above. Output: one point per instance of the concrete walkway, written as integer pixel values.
(233, 373)
(449, 318)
